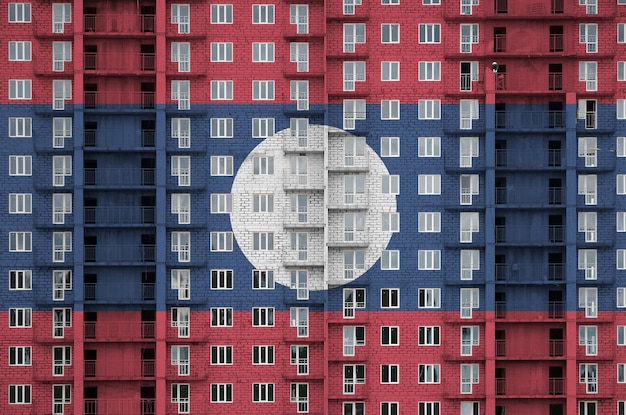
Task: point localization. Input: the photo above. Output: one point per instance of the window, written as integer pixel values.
(300, 358)
(428, 335)
(61, 168)
(352, 336)
(592, 6)
(299, 128)
(61, 91)
(390, 222)
(300, 278)
(181, 244)
(61, 14)
(61, 282)
(61, 243)
(352, 375)
(20, 51)
(262, 279)
(353, 72)
(263, 14)
(61, 395)
(429, 33)
(20, 241)
(61, 357)
(353, 109)
(180, 16)
(299, 92)
(621, 373)
(469, 74)
(180, 358)
(222, 279)
(263, 316)
(349, 7)
(300, 394)
(263, 241)
(262, 392)
(20, 279)
(263, 355)
(620, 221)
(390, 336)
(390, 109)
(621, 297)
(221, 128)
(431, 2)
(221, 355)
(19, 394)
(222, 90)
(180, 319)
(429, 71)
(390, 71)
(468, 113)
(469, 224)
(181, 55)
(20, 89)
(429, 109)
(354, 187)
(469, 37)
(588, 74)
(621, 258)
(588, 337)
(429, 298)
(429, 146)
(221, 52)
(428, 373)
(588, 299)
(589, 376)
(389, 373)
(299, 53)
(221, 14)
(621, 33)
(469, 338)
(587, 408)
(395, 2)
(299, 318)
(19, 12)
(621, 335)
(61, 129)
(620, 180)
(180, 93)
(469, 301)
(390, 33)
(263, 52)
(589, 36)
(429, 184)
(19, 356)
(20, 317)
(430, 408)
(181, 282)
(469, 188)
(181, 168)
(180, 396)
(390, 146)
(299, 15)
(390, 260)
(469, 377)
(390, 298)
(181, 130)
(390, 184)
(353, 263)
(221, 317)
(470, 262)
(20, 127)
(20, 203)
(263, 127)
(61, 318)
(621, 72)
(587, 148)
(221, 165)
(181, 207)
(587, 223)
(263, 90)
(353, 33)
(588, 186)
(429, 222)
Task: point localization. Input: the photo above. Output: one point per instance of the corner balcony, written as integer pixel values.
(119, 177)
(555, 311)
(122, 370)
(118, 101)
(526, 121)
(118, 63)
(119, 331)
(547, 159)
(119, 254)
(536, 388)
(119, 24)
(115, 216)
(554, 349)
(119, 406)
(120, 293)
(339, 162)
(520, 235)
(536, 273)
(529, 197)
(296, 181)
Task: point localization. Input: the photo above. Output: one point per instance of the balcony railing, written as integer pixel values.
(146, 139)
(510, 158)
(119, 253)
(529, 120)
(119, 406)
(119, 23)
(524, 235)
(121, 370)
(114, 331)
(500, 348)
(555, 311)
(556, 386)
(528, 196)
(119, 101)
(556, 42)
(557, 348)
(500, 386)
(119, 293)
(119, 62)
(119, 215)
(529, 272)
(119, 177)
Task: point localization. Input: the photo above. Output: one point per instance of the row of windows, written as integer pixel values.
(61, 318)
(20, 394)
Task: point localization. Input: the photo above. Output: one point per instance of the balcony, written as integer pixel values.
(555, 311)
(121, 177)
(119, 254)
(549, 159)
(311, 257)
(293, 180)
(121, 293)
(339, 162)
(356, 239)
(523, 235)
(119, 406)
(118, 102)
(312, 217)
(525, 121)
(119, 215)
(529, 197)
(531, 389)
(517, 350)
(119, 24)
(119, 63)
(529, 273)
(122, 370)
(116, 331)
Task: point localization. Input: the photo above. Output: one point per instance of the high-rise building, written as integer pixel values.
(342, 207)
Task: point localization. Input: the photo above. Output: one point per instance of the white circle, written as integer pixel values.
(270, 239)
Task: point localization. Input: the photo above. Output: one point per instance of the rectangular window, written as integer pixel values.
(589, 36)
(262, 392)
(389, 374)
(390, 298)
(20, 51)
(181, 94)
(587, 148)
(19, 394)
(470, 262)
(390, 71)
(429, 298)
(390, 109)
(390, 336)
(181, 245)
(620, 258)
(428, 335)
(588, 187)
(262, 51)
(300, 282)
(263, 355)
(263, 90)
(468, 112)
(61, 168)
(621, 33)
(263, 316)
(299, 92)
(620, 221)
(353, 110)
(300, 358)
(20, 89)
(299, 54)
(61, 318)
(20, 241)
(20, 203)
(262, 279)
(353, 72)
(390, 260)
(61, 243)
(588, 337)
(352, 375)
(621, 70)
(221, 14)
(61, 357)
(469, 301)
(181, 54)
(469, 37)
(353, 336)
(469, 188)
(20, 279)
(469, 377)
(429, 109)
(299, 318)
(180, 17)
(181, 168)
(180, 319)
(428, 373)
(390, 146)
(428, 259)
(429, 71)
(221, 317)
(222, 128)
(20, 317)
(429, 146)
(222, 90)
(221, 392)
(589, 376)
(588, 72)
(621, 297)
(353, 263)
(181, 207)
(20, 127)
(221, 165)
(621, 335)
(61, 282)
(181, 130)
(469, 224)
(620, 180)
(299, 15)
(588, 299)
(430, 408)
(469, 338)
(429, 184)
(390, 33)
(180, 358)
(263, 241)
(469, 74)
(429, 33)
(390, 222)
(263, 127)
(221, 355)
(588, 223)
(19, 12)
(221, 279)
(181, 282)
(180, 397)
(20, 356)
(61, 14)
(61, 129)
(429, 222)
(300, 395)
(61, 92)
(591, 6)
(221, 51)
(353, 34)
(263, 14)
(390, 184)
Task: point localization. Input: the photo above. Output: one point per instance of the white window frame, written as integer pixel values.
(20, 127)
(262, 279)
(353, 110)
(263, 316)
(352, 375)
(589, 36)
(429, 373)
(390, 71)
(470, 262)
(299, 16)
(61, 168)
(389, 374)
(181, 207)
(61, 14)
(299, 92)
(390, 33)
(19, 13)
(181, 93)
(180, 358)
(389, 298)
(180, 396)
(299, 393)
(222, 127)
(429, 184)
(221, 90)
(20, 166)
(20, 51)
(353, 34)
(588, 187)
(222, 165)
(469, 377)
(469, 223)
(61, 243)
(181, 54)
(299, 318)
(429, 408)
(588, 337)
(429, 33)
(353, 336)
(181, 169)
(588, 299)
(20, 317)
(20, 89)
(429, 259)
(621, 33)
(390, 222)
(390, 146)
(221, 14)
(61, 129)
(181, 130)
(429, 335)
(588, 73)
(262, 90)
(263, 241)
(354, 263)
(390, 335)
(353, 299)
(20, 203)
(588, 148)
(300, 283)
(621, 297)
(262, 392)
(221, 317)
(181, 245)
(300, 357)
(469, 36)
(390, 109)
(589, 376)
(222, 279)
(588, 223)
(20, 356)
(262, 51)
(263, 127)
(61, 318)
(390, 260)
(180, 280)
(429, 298)
(470, 337)
(20, 241)
(263, 354)
(468, 112)
(20, 394)
(221, 355)
(61, 282)
(221, 51)
(353, 72)
(428, 222)
(429, 109)
(429, 71)
(20, 280)
(429, 146)
(262, 14)
(469, 300)
(299, 54)
(180, 17)
(469, 187)
(61, 92)
(180, 318)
